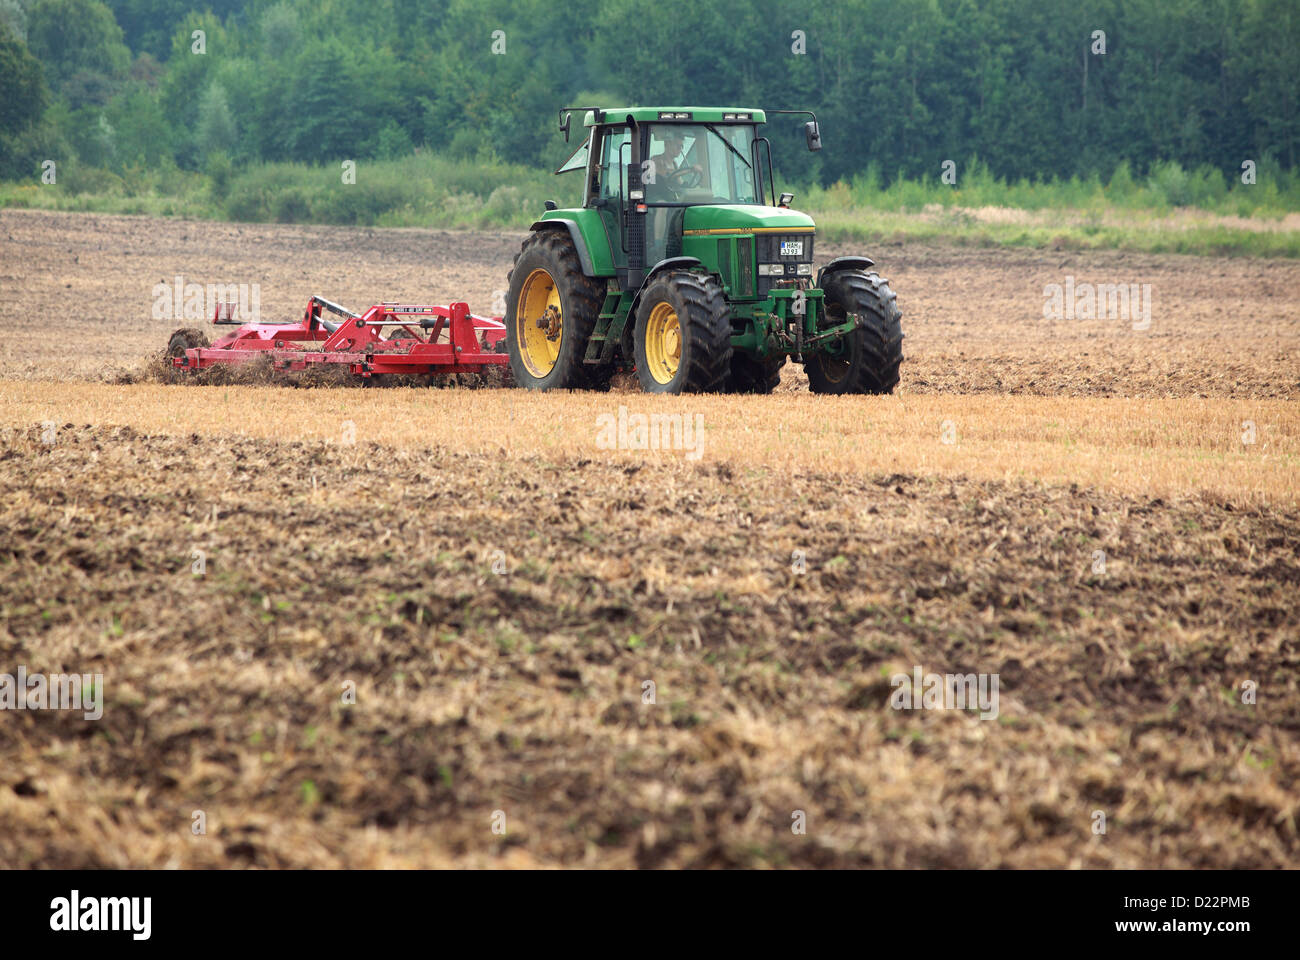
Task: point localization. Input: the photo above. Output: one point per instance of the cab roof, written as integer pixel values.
(679, 115)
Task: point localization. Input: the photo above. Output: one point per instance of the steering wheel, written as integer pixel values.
(679, 177)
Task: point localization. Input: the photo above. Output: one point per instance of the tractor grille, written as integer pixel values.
(769, 251)
(736, 264)
(745, 263)
(724, 262)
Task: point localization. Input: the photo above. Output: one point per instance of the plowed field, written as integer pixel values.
(417, 627)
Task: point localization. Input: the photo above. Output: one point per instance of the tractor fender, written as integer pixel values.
(672, 263)
(844, 263)
(584, 257)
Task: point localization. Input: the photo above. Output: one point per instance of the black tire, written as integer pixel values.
(703, 337)
(752, 375)
(871, 355)
(187, 338)
(580, 300)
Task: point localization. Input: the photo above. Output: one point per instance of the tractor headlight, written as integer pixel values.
(805, 269)
(771, 269)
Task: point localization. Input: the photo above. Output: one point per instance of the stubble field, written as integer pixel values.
(1105, 518)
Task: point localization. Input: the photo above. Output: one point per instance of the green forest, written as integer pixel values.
(247, 107)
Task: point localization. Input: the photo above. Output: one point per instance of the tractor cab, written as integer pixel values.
(685, 157)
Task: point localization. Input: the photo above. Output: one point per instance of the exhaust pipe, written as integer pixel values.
(636, 210)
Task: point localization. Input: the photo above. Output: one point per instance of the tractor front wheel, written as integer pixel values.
(551, 311)
(868, 359)
(683, 335)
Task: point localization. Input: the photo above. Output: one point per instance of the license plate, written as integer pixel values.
(792, 248)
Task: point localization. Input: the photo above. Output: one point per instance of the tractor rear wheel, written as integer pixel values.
(752, 375)
(551, 311)
(869, 357)
(683, 335)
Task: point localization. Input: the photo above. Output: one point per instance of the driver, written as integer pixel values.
(671, 165)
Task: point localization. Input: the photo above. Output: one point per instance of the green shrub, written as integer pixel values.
(1170, 184)
(73, 176)
(1208, 187)
(393, 141)
(291, 205)
(219, 170)
(1121, 186)
(358, 203)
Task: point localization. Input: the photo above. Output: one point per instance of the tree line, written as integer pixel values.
(1035, 89)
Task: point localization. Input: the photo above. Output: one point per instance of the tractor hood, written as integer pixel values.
(744, 218)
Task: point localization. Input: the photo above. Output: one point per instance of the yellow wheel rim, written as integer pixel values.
(663, 343)
(539, 323)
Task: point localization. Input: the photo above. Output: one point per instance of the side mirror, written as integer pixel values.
(549, 204)
(813, 135)
(564, 127)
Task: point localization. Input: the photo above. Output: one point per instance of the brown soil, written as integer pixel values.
(521, 691)
(499, 595)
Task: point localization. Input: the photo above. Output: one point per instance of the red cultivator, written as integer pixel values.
(428, 339)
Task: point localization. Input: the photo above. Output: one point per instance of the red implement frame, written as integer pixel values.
(435, 339)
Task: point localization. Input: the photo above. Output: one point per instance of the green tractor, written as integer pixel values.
(682, 262)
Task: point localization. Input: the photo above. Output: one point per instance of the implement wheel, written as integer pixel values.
(187, 338)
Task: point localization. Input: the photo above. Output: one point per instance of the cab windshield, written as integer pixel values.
(700, 163)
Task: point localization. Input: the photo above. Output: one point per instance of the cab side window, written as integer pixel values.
(613, 157)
